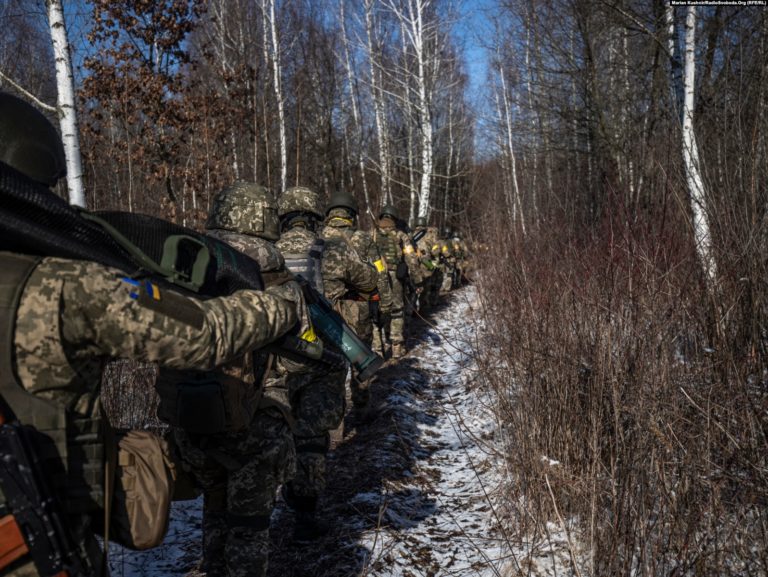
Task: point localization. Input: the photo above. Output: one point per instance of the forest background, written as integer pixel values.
(608, 159)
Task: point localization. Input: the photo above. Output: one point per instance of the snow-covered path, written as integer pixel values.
(439, 519)
(410, 493)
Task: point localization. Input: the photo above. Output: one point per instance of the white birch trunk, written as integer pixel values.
(66, 102)
(511, 149)
(534, 154)
(696, 190)
(277, 83)
(424, 107)
(506, 184)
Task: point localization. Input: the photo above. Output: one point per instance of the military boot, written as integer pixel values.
(398, 350)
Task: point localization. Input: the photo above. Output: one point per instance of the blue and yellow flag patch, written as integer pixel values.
(147, 287)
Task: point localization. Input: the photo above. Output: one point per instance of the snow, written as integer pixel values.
(440, 519)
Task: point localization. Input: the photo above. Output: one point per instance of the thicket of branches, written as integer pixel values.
(612, 354)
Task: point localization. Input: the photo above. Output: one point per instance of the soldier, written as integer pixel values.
(334, 268)
(60, 319)
(403, 268)
(423, 240)
(241, 470)
(437, 259)
(341, 223)
(447, 260)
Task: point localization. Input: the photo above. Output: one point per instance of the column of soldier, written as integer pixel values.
(62, 318)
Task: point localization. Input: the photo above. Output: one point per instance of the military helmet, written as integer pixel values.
(388, 211)
(342, 199)
(247, 208)
(420, 222)
(29, 142)
(300, 199)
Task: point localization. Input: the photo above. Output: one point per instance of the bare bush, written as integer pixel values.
(608, 358)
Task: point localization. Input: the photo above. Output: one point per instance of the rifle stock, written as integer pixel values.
(33, 507)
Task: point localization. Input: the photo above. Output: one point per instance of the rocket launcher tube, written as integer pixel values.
(331, 327)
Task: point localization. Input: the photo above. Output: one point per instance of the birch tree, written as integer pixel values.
(270, 21)
(377, 95)
(357, 141)
(420, 29)
(66, 102)
(701, 228)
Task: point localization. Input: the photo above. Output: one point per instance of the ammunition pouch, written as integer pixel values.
(206, 403)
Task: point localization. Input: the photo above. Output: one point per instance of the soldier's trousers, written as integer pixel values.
(447, 282)
(240, 474)
(396, 330)
(317, 402)
(358, 317)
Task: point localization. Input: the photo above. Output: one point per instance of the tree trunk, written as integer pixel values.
(701, 229)
(66, 102)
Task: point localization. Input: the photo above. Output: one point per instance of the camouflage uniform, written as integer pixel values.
(73, 315)
(354, 309)
(317, 399)
(241, 471)
(396, 248)
(427, 265)
(448, 264)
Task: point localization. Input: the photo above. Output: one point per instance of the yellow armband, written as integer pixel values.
(379, 264)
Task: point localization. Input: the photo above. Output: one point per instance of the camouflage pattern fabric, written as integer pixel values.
(317, 400)
(318, 403)
(363, 243)
(357, 313)
(73, 314)
(426, 267)
(390, 240)
(246, 208)
(300, 199)
(240, 474)
(343, 268)
(437, 276)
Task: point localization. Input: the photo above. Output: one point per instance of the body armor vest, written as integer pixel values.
(308, 264)
(73, 452)
(390, 249)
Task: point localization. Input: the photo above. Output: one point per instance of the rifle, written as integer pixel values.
(35, 517)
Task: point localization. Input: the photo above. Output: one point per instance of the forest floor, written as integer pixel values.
(414, 492)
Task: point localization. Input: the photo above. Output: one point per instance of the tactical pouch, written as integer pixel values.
(142, 491)
(205, 403)
(200, 408)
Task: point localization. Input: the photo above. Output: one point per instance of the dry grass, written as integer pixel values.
(610, 356)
